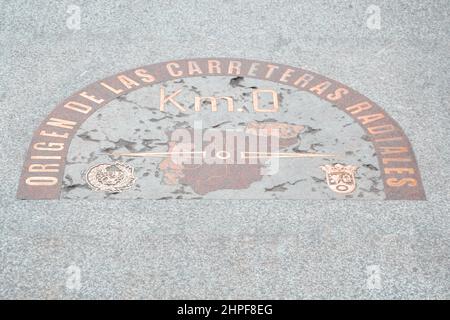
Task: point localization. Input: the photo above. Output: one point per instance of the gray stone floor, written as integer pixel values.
(228, 249)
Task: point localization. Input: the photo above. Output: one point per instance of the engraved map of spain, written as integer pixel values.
(204, 178)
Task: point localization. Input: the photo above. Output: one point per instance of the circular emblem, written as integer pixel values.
(111, 178)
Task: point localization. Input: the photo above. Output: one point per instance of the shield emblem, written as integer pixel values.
(340, 178)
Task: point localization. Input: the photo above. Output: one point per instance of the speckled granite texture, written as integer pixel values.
(227, 248)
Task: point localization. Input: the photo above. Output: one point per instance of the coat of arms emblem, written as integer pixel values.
(111, 178)
(340, 178)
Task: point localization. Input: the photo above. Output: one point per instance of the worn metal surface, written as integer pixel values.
(224, 248)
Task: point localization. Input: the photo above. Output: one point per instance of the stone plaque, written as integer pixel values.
(219, 129)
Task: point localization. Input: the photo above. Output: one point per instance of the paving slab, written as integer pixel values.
(219, 248)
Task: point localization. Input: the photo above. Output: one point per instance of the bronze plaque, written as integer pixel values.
(219, 128)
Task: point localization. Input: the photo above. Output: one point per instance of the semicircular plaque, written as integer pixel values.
(219, 128)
